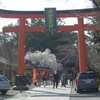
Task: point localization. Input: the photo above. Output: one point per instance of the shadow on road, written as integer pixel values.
(84, 95)
(9, 94)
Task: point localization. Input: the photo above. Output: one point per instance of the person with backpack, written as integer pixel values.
(63, 79)
(21, 81)
(71, 79)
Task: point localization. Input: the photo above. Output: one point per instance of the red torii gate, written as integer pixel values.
(22, 28)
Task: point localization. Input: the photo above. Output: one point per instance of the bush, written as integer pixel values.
(12, 81)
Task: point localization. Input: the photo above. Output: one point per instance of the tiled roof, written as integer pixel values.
(66, 58)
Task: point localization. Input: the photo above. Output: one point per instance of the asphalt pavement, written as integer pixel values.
(48, 93)
(84, 95)
(42, 93)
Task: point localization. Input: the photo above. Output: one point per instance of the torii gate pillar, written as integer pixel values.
(81, 46)
(21, 45)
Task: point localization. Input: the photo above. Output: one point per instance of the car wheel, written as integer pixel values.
(77, 90)
(4, 91)
(97, 90)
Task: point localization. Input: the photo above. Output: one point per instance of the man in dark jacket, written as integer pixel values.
(21, 81)
(55, 79)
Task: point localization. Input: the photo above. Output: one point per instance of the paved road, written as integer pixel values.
(12, 93)
(90, 95)
(43, 93)
(9, 94)
(73, 96)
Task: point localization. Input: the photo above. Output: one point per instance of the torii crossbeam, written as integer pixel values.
(22, 28)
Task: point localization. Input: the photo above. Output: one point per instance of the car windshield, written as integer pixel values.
(3, 79)
(87, 75)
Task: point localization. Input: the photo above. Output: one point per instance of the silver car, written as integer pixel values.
(4, 84)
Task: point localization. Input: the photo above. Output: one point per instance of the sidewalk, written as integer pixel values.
(44, 93)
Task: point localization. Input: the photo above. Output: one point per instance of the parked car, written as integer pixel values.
(86, 81)
(4, 84)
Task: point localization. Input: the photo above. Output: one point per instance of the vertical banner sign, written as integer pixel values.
(50, 18)
(34, 74)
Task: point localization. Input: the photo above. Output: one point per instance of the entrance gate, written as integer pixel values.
(22, 29)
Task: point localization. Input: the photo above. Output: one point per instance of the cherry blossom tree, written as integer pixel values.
(43, 59)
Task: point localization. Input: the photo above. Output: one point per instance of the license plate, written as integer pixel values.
(88, 81)
(3, 84)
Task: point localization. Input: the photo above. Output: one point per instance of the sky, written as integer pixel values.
(39, 5)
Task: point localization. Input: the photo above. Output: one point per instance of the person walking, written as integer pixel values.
(55, 79)
(39, 78)
(45, 78)
(71, 79)
(63, 79)
(51, 78)
(21, 81)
